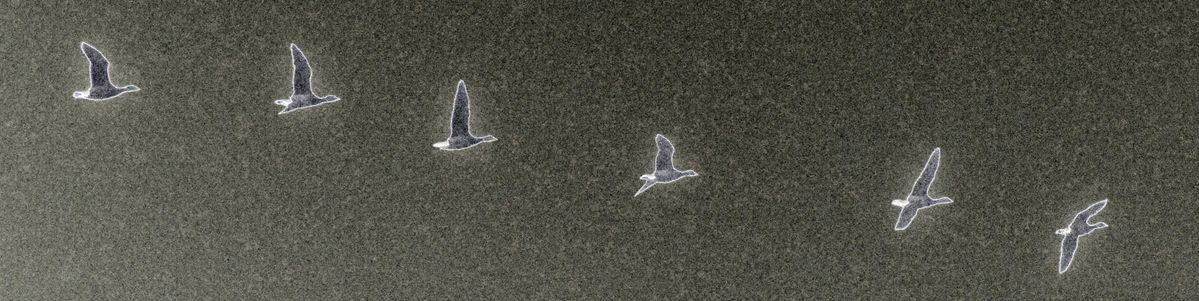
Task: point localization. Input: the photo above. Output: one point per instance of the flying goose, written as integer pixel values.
(664, 171)
(302, 96)
(460, 136)
(1078, 227)
(101, 87)
(918, 198)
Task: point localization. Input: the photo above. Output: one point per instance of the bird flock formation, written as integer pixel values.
(919, 199)
(303, 97)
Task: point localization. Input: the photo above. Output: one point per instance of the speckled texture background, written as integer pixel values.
(804, 121)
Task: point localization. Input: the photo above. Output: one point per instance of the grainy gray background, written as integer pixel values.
(804, 121)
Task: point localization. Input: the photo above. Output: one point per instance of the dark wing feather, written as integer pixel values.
(460, 117)
(906, 215)
(644, 187)
(301, 79)
(928, 174)
(665, 159)
(1082, 217)
(1092, 210)
(1069, 245)
(99, 70)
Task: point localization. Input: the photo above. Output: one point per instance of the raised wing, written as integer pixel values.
(1086, 214)
(665, 158)
(928, 174)
(460, 117)
(1069, 245)
(301, 78)
(99, 70)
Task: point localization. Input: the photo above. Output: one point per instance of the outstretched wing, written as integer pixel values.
(665, 158)
(460, 117)
(301, 79)
(1069, 245)
(926, 177)
(99, 70)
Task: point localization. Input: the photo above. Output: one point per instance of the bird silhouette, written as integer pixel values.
(664, 171)
(918, 198)
(100, 87)
(1079, 227)
(460, 136)
(302, 96)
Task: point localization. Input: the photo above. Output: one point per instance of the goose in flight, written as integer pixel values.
(101, 87)
(1078, 227)
(302, 96)
(918, 198)
(460, 136)
(664, 171)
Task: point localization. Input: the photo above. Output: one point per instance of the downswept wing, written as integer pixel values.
(1069, 245)
(644, 187)
(906, 216)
